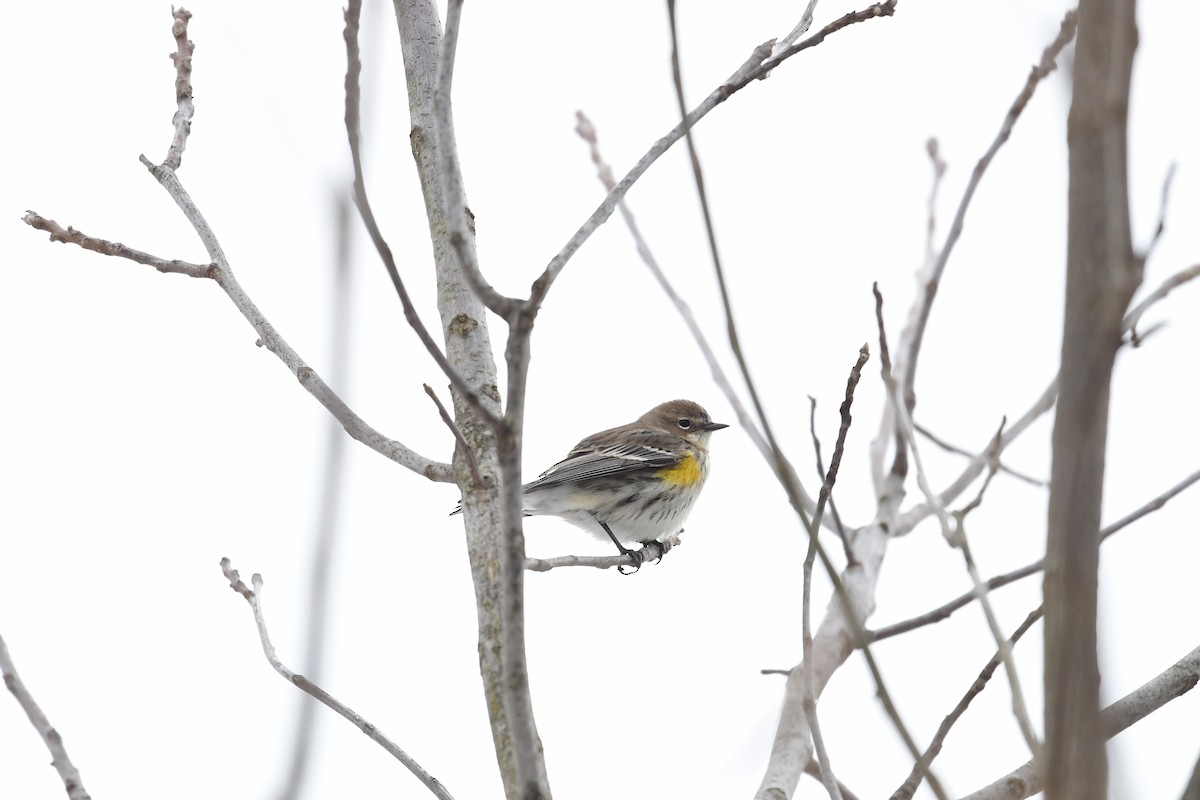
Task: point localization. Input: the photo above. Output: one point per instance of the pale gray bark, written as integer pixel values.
(469, 350)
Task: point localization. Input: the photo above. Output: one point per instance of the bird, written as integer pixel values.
(632, 484)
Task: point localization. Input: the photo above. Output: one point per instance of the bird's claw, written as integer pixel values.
(639, 558)
(642, 555)
(658, 546)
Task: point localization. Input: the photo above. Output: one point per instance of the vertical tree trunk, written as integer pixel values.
(469, 350)
(1102, 274)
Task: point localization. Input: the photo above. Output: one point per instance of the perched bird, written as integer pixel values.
(634, 484)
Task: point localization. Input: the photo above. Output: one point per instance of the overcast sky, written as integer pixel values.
(145, 436)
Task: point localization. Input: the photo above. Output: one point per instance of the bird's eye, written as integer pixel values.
(685, 423)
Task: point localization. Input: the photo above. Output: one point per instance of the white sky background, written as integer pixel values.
(145, 436)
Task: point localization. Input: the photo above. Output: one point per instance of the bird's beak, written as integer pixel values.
(715, 426)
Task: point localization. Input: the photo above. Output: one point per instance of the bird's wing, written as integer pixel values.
(642, 450)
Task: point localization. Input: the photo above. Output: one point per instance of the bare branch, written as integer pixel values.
(840, 632)
(531, 781)
(780, 463)
(1174, 682)
(1044, 403)
(825, 496)
(884, 9)
(182, 121)
(1001, 467)
(956, 537)
(461, 233)
(932, 281)
(944, 611)
(909, 787)
(939, 173)
(268, 337)
(107, 248)
(253, 597)
(888, 425)
(821, 472)
(1004, 646)
(362, 201)
(1162, 215)
(756, 66)
(659, 549)
(468, 453)
(806, 20)
(1170, 284)
(54, 743)
(221, 272)
(469, 348)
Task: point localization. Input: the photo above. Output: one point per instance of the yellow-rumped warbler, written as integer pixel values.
(633, 484)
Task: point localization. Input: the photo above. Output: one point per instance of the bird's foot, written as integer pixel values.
(639, 558)
(660, 548)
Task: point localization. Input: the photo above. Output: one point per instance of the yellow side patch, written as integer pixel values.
(686, 473)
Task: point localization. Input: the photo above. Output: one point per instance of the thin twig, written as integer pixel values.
(363, 203)
(825, 496)
(268, 337)
(459, 227)
(806, 20)
(1135, 314)
(939, 172)
(931, 283)
(659, 549)
(956, 536)
(816, 440)
(944, 611)
(53, 740)
(1044, 403)
(791, 482)
(884, 9)
(1161, 225)
(1170, 684)
(899, 467)
(877, 674)
(1004, 646)
(787, 475)
(221, 272)
(756, 66)
(909, 787)
(949, 448)
(841, 631)
(253, 597)
(468, 453)
(104, 247)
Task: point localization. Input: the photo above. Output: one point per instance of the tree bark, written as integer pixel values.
(469, 350)
(1102, 274)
